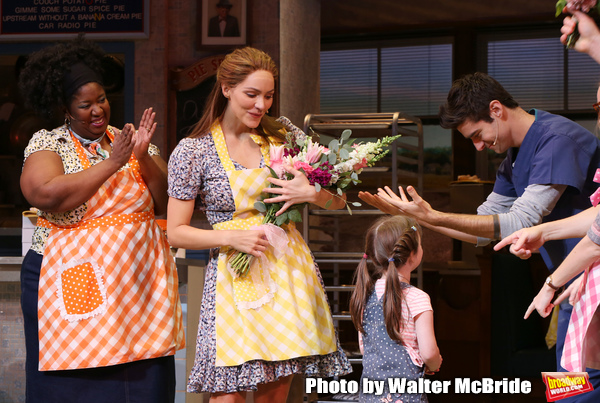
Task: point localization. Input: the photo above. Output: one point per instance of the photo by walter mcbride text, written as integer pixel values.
(422, 385)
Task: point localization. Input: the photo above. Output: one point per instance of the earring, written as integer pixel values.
(67, 121)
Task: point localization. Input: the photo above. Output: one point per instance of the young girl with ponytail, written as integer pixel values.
(394, 319)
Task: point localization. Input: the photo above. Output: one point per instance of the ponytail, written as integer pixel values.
(393, 299)
(363, 288)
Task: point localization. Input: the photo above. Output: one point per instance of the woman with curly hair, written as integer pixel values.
(255, 331)
(99, 287)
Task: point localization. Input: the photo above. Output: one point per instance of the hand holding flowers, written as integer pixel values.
(301, 167)
(572, 7)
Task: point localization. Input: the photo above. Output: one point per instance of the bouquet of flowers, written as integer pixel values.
(332, 169)
(584, 6)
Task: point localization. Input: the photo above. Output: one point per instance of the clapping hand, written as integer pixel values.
(144, 133)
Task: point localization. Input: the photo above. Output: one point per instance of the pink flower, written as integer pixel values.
(360, 165)
(276, 152)
(303, 165)
(276, 157)
(313, 152)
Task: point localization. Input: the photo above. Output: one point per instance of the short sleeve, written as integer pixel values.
(153, 150)
(418, 301)
(185, 170)
(42, 140)
(295, 130)
(560, 160)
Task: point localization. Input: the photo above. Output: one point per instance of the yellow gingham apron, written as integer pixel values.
(285, 314)
(108, 291)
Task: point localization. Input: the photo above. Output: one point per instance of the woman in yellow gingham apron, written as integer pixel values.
(258, 330)
(99, 288)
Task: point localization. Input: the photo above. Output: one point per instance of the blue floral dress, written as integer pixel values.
(196, 169)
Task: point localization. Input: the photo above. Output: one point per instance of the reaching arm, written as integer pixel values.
(584, 254)
(527, 240)
(474, 225)
(388, 208)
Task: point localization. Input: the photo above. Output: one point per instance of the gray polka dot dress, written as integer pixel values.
(385, 358)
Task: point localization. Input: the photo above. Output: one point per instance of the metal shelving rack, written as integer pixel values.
(363, 125)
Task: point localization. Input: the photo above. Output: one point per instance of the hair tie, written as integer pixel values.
(414, 228)
(365, 256)
(391, 259)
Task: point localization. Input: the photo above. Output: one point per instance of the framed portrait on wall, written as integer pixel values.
(222, 22)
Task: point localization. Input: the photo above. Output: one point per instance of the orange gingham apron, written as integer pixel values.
(287, 316)
(108, 291)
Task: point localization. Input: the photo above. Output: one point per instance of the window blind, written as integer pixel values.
(540, 73)
(413, 79)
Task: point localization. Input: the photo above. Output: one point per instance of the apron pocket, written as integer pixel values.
(80, 290)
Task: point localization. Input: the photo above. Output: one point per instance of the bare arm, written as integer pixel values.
(474, 225)
(582, 256)
(527, 240)
(388, 208)
(427, 343)
(46, 186)
(182, 235)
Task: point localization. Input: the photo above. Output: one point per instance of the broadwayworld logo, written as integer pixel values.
(560, 385)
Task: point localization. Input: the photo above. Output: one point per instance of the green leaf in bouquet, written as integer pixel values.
(349, 209)
(282, 219)
(324, 158)
(334, 145)
(344, 154)
(317, 187)
(340, 191)
(346, 134)
(354, 176)
(356, 204)
(301, 142)
(273, 173)
(345, 182)
(332, 158)
(560, 5)
(260, 206)
(328, 203)
(295, 215)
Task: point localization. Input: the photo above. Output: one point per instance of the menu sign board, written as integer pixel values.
(49, 19)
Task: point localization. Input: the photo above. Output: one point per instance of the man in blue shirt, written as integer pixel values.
(547, 175)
